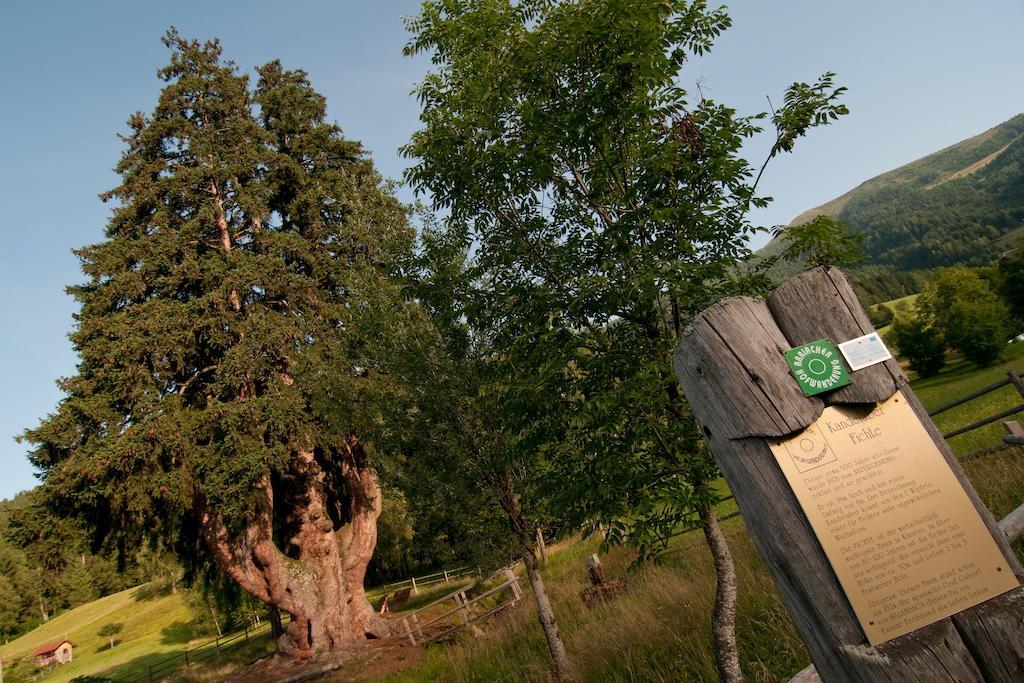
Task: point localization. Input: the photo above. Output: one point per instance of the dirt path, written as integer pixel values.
(369, 661)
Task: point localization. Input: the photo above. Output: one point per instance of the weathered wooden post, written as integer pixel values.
(828, 541)
(513, 581)
(408, 631)
(594, 571)
(416, 623)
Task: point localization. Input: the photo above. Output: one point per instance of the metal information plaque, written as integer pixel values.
(906, 544)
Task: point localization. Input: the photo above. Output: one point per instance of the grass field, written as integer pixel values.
(155, 628)
(657, 631)
(960, 378)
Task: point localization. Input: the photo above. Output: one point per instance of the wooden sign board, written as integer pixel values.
(904, 540)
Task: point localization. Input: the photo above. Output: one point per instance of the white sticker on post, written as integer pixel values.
(865, 351)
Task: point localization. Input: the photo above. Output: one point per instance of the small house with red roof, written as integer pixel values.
(59, 652)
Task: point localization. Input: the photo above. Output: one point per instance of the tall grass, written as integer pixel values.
(659, 630)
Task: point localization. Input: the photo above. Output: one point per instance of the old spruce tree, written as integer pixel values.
(232, 342)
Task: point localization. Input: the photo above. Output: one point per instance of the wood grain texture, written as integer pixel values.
(821, 304)
(730, 365)
(796, 306)
(809, 588)
(744, 384)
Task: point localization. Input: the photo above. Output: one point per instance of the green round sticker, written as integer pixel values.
(817, 367)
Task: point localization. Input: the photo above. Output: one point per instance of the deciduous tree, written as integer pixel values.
(961, 306)
(604, 206)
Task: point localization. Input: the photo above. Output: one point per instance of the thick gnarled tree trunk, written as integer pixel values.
(321, 585)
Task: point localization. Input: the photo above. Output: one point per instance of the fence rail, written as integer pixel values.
(417, 582)
(438, 627)
(203, 652)
(1012, 377)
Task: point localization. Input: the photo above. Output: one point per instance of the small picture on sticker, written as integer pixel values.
(865, 351)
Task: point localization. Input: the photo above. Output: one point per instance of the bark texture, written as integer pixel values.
(546, 616)
(319, 583)
(723, 617)
(730, 364)
(509, 502)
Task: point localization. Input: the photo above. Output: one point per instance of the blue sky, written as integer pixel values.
(922, 76)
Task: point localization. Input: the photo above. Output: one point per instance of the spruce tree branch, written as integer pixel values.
(182, 388)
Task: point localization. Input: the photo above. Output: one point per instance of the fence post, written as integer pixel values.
(513, 582)
(730, 364)
(408, 631)
(416, 621)
(414, 591)
(445, 575)
(542, 547)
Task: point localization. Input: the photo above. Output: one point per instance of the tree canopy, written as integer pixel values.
(600, 206)
(235, 339)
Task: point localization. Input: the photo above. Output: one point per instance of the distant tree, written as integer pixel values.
(961, 306)
(880, 315)
(10, 608)
(110, 630)
(1011, 271)
(823, 241)
(922, 347)
(18, 605)
(77, 587)
(235, 336)
(394, 538)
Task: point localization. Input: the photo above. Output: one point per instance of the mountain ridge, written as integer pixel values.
(949, 207)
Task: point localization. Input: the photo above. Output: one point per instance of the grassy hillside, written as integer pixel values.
(960, 378)
(961, 205)
(155, 627)
(953, 206)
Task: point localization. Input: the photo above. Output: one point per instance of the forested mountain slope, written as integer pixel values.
(950, 207)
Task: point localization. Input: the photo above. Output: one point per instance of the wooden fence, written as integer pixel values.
(213, 648)
(417, 582)
(465, 611)
(1011, 378)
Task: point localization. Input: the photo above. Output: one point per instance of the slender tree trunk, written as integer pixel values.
(509, 502)
(541, 547)
(546, 616)
(723, 618)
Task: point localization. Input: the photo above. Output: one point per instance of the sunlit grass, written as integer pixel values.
(155, 628)
(961, 378)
